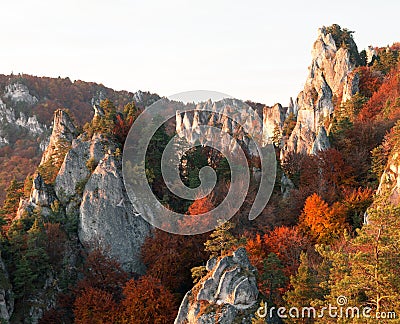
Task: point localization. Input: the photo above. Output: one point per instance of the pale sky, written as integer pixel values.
(257, 50)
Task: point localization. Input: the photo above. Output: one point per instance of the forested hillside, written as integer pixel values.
(75, 249)
(23, 138)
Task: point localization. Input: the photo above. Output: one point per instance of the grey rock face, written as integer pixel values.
(286, 186)
(96, 197)
(371, 54)
(8, 116)
(273, 119)
(107, 218)
(329, 75)
(220, 115)
(350, 87)
(41, 194)
(19, 92)
(230, 285)
(321, 142)
(390, 180)
(6, 296)
(74, 170)
(61, 137)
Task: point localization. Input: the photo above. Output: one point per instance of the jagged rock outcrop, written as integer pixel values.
(41, 194)
(329, 77)
(64, 131)
(390, 180)
(6, 295)
(227, 294)
(19, 92)
(220, 114)
(286, 185)
(273, 119)
(107, 218)
(74, 170)
(11, 118)
(371, 54)
(350, 87)
(321, 142)
(89, 187)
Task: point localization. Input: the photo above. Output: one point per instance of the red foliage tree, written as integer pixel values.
(95, 306)
(103, 273)
(322, 223)
(122, 127)
(370, 81)
(147, 301)
(287, 243)
(385, 99)
(170, 257)
(194, 218)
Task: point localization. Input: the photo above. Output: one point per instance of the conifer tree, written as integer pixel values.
(305, 285)
(221, 240)
(10, 206)
(273, 278)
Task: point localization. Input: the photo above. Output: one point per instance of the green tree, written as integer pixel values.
(386, 61)
(221, 240)
(305, 285)
(195, 160)
(13, 194)
(367, 269)
(289, 124)
(130, 110)
(273, 277)
(344, 39)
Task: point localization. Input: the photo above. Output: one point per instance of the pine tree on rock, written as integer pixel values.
(221, 240)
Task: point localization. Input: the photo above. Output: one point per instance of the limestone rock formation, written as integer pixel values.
(329, 77)
(74, 170)
(19, 92)
(321, 142)
(89, 187)
(107, 218)
(371, 54)
(390, 180)
(6, 296)
(227, 294)
(62, 135)
(350, 87)
(41, 193)
(273, 119)
(11, 118)
(230, 115)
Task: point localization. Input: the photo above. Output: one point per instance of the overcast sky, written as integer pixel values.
(257, 50)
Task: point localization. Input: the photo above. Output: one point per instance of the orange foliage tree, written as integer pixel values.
(385, 101)
(321, 222)
(147, 301)
(170, 257)
(287, 243)
(194, 218)
(95, 306)
(104, 273)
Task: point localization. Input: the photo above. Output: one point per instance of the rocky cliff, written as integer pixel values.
(90, 188)
(329, 79)
(390, 180)
(13, 115)
(229, 115)
(227, 294)
(6, 296)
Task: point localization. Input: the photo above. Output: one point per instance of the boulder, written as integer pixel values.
(228, 293)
